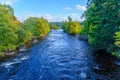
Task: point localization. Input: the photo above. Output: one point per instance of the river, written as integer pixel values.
(58, 57)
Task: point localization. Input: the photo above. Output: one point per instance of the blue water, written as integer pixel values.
(58, 57)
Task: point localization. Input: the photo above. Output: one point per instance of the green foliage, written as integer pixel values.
(7, 39)
(37, 26)
(23, 36)
(7, 29)
(58, 24)
(53, 26)
(117, 39)
(117, 45)
(14, 34)
(72, 27)
(102, 21)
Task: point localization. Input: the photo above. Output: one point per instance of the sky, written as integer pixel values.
(52, 10)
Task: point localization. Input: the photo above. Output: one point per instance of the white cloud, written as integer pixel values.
(80, 7)
(26, 15)
(74, 15)
(62, 18)
(52, 18)
(9, 2)
(49, 17)
(68, 8)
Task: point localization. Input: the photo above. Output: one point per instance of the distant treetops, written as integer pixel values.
(14, 34)
(53, 26)
(72, 27)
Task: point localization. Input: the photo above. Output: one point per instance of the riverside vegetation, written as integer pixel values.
(101, 25)
(14, 33)
(61, 56)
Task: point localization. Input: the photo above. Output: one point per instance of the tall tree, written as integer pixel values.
(102, 21)
(7, 29)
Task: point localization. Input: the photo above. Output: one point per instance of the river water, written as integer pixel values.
(58, 57)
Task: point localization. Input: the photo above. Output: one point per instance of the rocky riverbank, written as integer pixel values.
(19, 50)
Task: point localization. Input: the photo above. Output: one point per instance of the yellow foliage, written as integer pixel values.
(117, 38)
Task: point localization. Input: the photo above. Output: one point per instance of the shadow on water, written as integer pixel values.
(60, 57)
(106, 65)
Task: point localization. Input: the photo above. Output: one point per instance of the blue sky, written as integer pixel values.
(52, 10)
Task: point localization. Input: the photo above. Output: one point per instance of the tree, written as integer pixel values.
(23, 36)
(37, 26)
(7, 39)
(14, 33)
(102, 21)
(8, 36)
(72, 27)
(53, 26)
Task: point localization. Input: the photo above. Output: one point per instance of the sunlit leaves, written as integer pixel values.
(117, 38)
(7, 29)
(72, 27)
(37, 26)
(14, 34)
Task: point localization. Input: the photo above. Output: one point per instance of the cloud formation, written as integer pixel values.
(74, 15)
(68, 8)
(9, 2)
(80, 7)
(51, 18)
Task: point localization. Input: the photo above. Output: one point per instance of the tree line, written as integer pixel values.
(72, 27)
(14, 33)
(101, 25)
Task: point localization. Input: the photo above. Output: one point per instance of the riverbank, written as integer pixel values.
(58, 57)
(105, 63)
(19, 50)
(82, 37)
